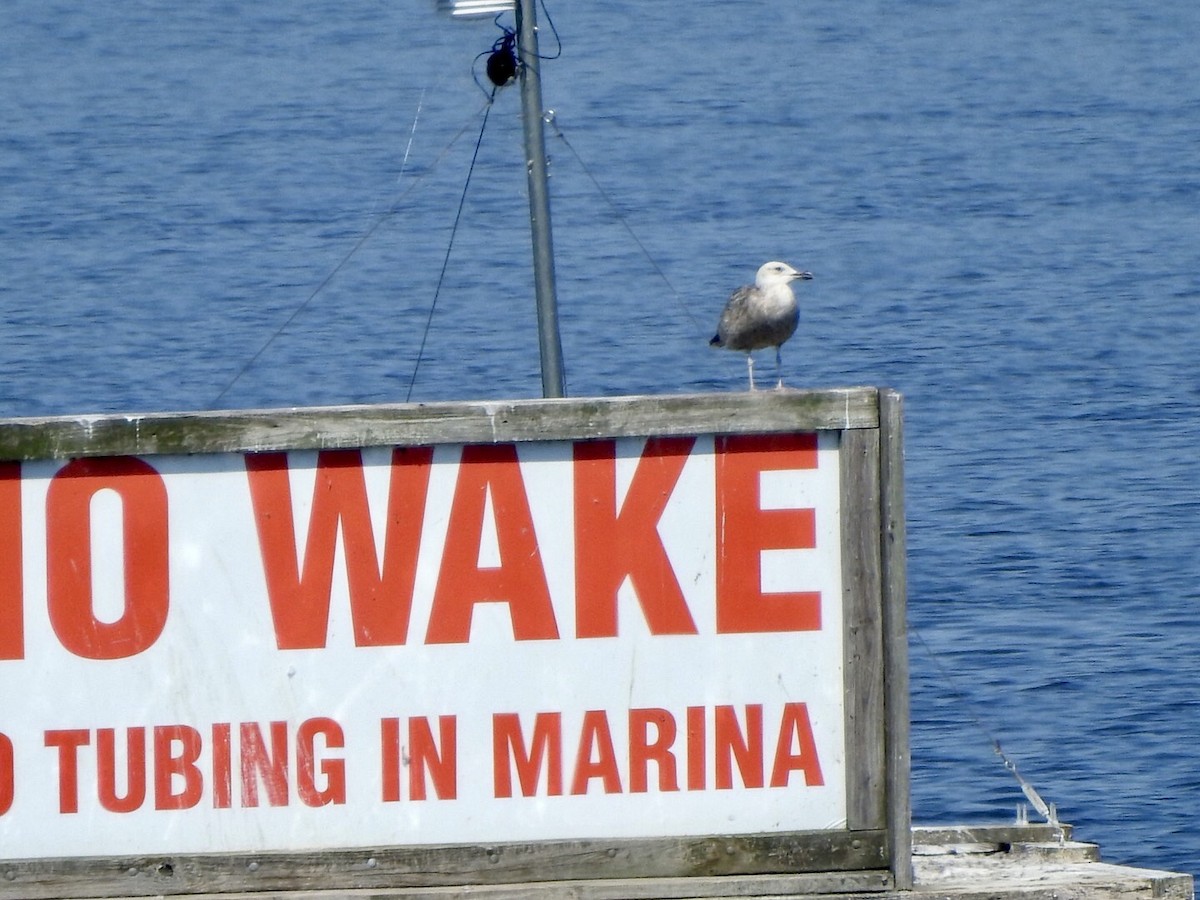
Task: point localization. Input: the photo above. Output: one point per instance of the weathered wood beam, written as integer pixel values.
(454, 866)
(314, 428)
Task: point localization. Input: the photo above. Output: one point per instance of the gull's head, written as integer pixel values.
(775, 273)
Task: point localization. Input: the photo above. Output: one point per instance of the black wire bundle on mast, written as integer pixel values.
(502, 65)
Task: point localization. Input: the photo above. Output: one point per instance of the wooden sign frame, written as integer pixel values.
(873, 851)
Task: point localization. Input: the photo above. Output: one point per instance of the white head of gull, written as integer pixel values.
(760, 315)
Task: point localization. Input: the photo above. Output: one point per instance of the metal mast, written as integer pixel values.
(549, 342)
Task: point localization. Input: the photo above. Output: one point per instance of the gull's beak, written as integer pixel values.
(803, 276)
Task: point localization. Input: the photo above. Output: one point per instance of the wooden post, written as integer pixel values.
(895, 643)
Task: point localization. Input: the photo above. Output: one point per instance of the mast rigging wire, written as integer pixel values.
(551, 119)
(391, 210)
(449, 247)
(387, 214)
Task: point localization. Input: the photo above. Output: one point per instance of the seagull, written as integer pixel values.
(763, 314)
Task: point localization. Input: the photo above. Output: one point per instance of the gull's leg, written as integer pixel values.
(750, 368)
(778, 369)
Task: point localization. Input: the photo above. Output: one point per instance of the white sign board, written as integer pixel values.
(420, 646)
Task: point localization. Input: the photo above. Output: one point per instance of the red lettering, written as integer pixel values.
(795, 730)
(697, 737)
(178, 781)
(595, 737)
(389, 745)
(8, 774)
(257, 763)
(69, 556)
(745, 529)
(643, 750)
(68, 742)
(519, 580)
(421, 759)
(168, 767)
(12, 605)
(222, 753)
(380, 600)
(730, 742)
(389, 759)
(632, 545)
(135, 769)
(508, 743)
(333, 771)
(424, 756)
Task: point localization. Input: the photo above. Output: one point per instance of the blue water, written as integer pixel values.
(1000, 201)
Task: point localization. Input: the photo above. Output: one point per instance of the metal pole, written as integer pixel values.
(549, 342)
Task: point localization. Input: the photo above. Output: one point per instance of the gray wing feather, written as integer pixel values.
(745, 326)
